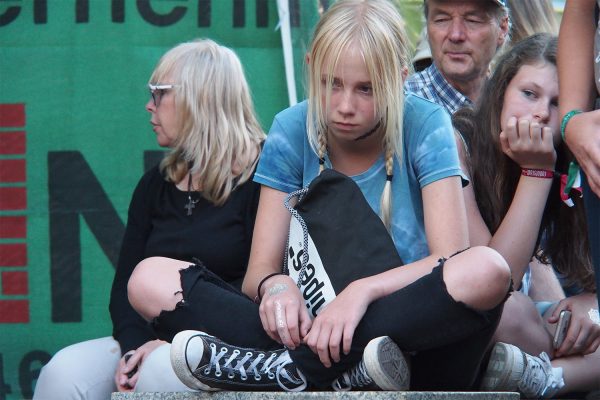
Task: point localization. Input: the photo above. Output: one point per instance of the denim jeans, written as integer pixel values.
(447, 339)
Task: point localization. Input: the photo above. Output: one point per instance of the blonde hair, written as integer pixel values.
(219, 135)
(529, 17)
(377, 28)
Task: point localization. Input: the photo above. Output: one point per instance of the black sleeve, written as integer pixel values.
(129, 329)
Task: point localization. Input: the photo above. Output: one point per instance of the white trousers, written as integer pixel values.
(86, 370)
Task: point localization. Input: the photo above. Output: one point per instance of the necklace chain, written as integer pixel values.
(191, 203)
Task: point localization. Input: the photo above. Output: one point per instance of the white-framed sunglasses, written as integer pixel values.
(157, 91)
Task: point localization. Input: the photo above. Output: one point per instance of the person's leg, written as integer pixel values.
(592, 209)
(545, 285)
(522, 325)
(580, 373)
(176, 297)
(81, 371)
(435, 311)
(157, 375)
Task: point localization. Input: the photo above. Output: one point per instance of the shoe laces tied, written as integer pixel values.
(280, 364)
(540, 379)
(356, 377)
(272, 366)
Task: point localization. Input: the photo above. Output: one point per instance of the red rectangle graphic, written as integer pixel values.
(13, 255)
(14, 311)
(12, 115)
(13, 227)
(12, 142)
(14, 283)
(13, 198)
(12, 170)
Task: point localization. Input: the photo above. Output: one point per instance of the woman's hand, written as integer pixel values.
(129, 366)
(528, 144)
(334, 326)
(282, 311)
(583, 335)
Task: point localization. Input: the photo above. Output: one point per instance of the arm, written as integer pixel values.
(577, 88)
(282, 310)
(129, 329)
(515, 239)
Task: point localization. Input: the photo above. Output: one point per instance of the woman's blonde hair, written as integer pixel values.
(529, 17)
(219, 136)
(377, 29)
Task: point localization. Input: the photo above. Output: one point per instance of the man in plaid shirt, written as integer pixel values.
(464, 36)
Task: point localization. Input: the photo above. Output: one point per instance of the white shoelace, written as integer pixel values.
(540, 379)
(273, 367)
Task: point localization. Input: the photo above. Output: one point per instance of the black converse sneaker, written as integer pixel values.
(382, 367)
(206, 363)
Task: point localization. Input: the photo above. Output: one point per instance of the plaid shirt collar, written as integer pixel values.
(431, 84)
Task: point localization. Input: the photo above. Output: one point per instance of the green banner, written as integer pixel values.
(75, 138)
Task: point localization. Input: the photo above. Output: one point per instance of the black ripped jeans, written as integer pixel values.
(447, 339)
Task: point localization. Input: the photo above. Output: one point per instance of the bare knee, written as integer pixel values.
(155, 285)
(478, 277)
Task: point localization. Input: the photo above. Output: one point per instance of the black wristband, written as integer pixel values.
(258, 297)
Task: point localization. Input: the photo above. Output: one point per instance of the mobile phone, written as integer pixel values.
(562, 326)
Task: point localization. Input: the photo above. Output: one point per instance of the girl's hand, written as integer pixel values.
(528, 144)
(129, 366)
(334, 326)
(583, 335)
(282, 311)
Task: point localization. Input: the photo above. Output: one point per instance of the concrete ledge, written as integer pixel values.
(318, 395)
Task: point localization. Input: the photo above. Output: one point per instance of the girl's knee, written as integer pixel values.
(479, 277)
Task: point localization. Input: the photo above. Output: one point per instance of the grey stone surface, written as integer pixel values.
(318, 395)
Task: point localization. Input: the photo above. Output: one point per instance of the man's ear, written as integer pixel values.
(504, 28)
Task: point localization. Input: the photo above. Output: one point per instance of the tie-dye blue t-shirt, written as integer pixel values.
(289, 163)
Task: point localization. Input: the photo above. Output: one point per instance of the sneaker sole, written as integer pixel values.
(386, 364)
(504, 370)
(180, 363)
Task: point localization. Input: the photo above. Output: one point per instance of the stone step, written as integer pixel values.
(318, 395)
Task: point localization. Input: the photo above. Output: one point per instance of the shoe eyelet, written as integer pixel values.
(271, 375)
(206, 371)
(244, 378)
(218, 373)
(231, 376)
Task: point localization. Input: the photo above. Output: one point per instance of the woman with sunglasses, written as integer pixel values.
(198, 205)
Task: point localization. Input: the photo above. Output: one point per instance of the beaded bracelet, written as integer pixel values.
(565, 120)
(537, 173)
(258, 297)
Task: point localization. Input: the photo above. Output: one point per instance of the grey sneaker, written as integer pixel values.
(382, 367)
(512, 370)
(204, 362)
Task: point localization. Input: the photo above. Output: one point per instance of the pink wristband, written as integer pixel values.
(537, 173)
